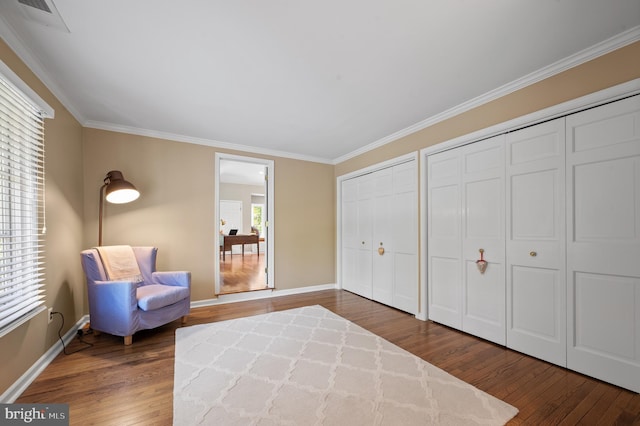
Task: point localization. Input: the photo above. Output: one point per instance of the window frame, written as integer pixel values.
(22, 207)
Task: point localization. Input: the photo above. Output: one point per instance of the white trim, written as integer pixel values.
(224, 299)
(623, 39)
(610, 94)
(269, 231)
(379, 166)
(15, 390)
(26, 91)
(422, 190)
(201, 141)
(25, 55)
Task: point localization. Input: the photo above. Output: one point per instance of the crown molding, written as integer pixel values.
(22, 51)
(201, 141)
(623, 39)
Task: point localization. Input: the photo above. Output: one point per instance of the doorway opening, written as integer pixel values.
(244, 217)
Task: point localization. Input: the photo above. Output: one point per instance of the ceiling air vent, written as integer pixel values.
(38, 4)
(44, 12)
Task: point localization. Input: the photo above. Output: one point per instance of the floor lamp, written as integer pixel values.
(117, 191)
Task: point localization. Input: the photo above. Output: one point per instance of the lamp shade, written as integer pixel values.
(118, 190)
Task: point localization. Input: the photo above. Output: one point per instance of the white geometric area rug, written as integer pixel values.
(309, 366)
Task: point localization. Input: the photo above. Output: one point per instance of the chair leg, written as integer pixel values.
(128, 340)
(184, 320)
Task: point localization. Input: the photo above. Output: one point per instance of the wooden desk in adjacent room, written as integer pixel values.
(231, 240)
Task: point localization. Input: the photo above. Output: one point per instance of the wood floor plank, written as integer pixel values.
(240, 273)
(111, 384)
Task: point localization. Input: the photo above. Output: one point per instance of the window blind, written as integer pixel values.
(21, 208)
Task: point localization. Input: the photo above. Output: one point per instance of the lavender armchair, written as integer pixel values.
(123, 307)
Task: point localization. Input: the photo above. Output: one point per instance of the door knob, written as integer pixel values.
(533, 254)
(380, 251)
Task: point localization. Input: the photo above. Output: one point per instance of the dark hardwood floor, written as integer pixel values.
(113, 384)
(240, 273)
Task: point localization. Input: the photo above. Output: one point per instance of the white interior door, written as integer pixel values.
(444, 216)
(603, 250)
(535, 241)
(483, 224)
(231, 213)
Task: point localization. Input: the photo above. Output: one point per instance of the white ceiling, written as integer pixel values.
(317, 80)
(242, 172)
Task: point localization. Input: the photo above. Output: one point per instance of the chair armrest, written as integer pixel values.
(174, 278)
(122, 291)
(112, 306)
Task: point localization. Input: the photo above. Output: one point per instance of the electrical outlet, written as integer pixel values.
(50, 317)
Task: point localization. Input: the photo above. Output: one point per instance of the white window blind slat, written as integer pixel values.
(19, 311)
(18, 299)
(21, 208)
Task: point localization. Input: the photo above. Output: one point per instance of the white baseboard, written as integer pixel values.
(20, 385)
(261, 294)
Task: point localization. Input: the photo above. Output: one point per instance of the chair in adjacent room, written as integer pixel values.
(126, 293)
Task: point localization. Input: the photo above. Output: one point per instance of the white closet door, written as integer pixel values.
(231, 213)
(357, 196)
(536, 286)
(383, 228)
(483, 224)
(404, 247)
(603, 250)
(444, 216)
(395, 237)
(350, 242)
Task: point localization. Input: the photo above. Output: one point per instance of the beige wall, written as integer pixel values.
(176, 208)
(606, 71)
(64, 279)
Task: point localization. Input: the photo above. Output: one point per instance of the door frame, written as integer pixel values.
(269, 223)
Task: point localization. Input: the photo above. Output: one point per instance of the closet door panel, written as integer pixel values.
(350, 214)
(383, 230)
(484, 295)
(603, 182)
(535, 309)
(483, 229)
(356, 235)
(404, 239)
(445, 298)
(405, 294)
(535, 241)
(350, 242)
(366, 188)
(444, 216)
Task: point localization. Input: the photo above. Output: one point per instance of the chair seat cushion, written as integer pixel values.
(155, 296)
